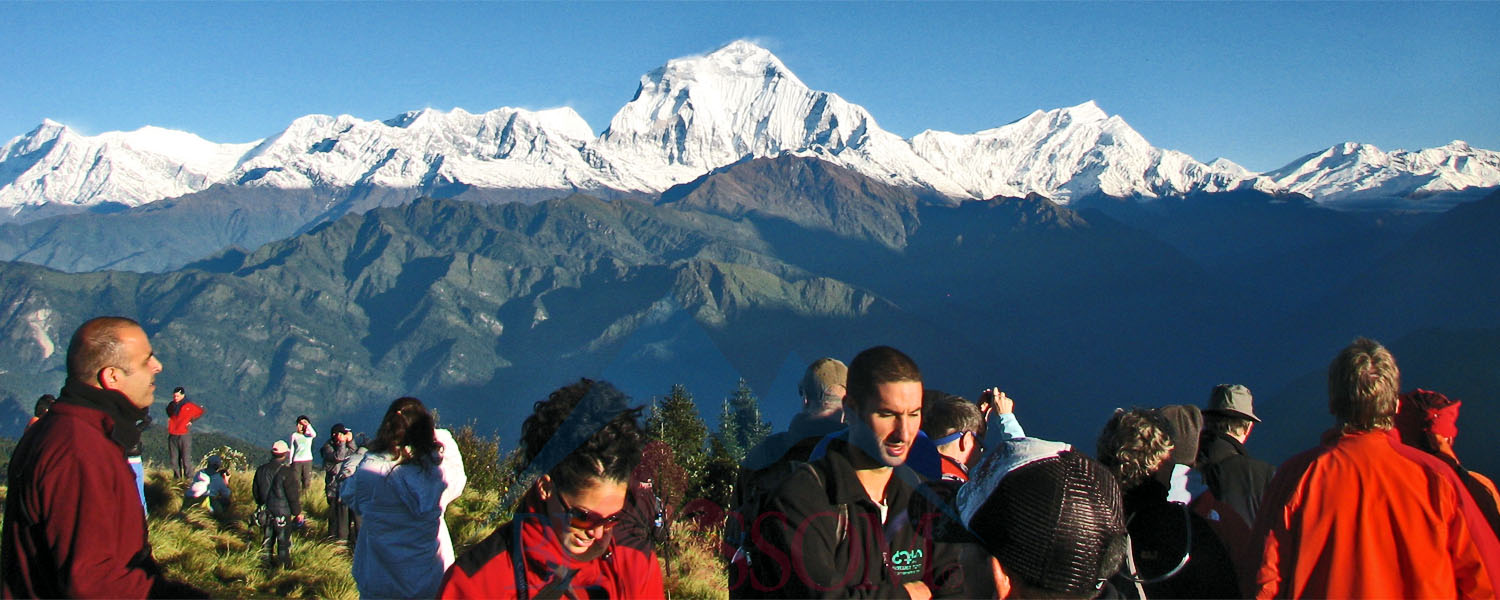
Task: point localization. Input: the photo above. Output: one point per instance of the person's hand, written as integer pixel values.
(918, 591)
(994, 401)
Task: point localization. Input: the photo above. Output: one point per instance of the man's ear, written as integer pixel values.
(967, 440)
(108, 377)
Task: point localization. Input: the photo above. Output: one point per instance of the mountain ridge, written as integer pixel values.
(687, 118)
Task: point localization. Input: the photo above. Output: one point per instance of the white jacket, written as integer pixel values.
(403, 546)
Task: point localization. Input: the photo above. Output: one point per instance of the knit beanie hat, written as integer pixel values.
(1052, 516)
(1424, 411)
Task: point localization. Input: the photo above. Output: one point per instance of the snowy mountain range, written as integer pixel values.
(692, 116)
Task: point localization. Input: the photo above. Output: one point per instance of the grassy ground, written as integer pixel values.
(223, 557)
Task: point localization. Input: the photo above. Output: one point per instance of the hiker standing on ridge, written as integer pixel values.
(181, 413)
(336, 451)
(279, 499)
(302, 450)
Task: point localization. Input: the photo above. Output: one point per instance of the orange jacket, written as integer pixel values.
(1364, 516)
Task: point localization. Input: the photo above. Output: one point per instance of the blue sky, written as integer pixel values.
(1258, 83)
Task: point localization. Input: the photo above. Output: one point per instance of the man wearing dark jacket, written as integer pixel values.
(857, 522)
(73, 523)
(278, 491)
(339, 447)
(1231, 474)
(822, 391)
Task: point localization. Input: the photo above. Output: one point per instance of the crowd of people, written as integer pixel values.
(882, 486)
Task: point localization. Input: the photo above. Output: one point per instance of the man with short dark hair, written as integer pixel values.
(73, 524)
(1363, 515)
(855, 521)
(181, 413)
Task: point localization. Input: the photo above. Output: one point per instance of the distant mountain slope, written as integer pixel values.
(482, 308)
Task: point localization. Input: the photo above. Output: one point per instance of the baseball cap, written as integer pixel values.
(820, 379)
(1052, 516)
(338, 429)
(1231, 400)
(280, 447)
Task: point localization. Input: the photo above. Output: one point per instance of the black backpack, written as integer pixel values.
(753, 495)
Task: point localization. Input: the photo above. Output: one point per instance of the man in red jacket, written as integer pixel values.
(73, 523)
(181, 413)
(1363, 515)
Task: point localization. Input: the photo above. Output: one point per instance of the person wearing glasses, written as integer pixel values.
(581, 445)
(1174, 552)
(408, 475)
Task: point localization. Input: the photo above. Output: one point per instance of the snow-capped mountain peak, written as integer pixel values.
(688, 117)
(1354, 175)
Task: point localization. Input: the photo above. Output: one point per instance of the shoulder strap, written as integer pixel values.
(843, 509)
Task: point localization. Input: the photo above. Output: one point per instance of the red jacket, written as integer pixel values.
(73, 522)
(1359, 517)
(177, 424)
(488, 569)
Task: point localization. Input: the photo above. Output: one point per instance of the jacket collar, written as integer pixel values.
(843, 485)
(122, 415)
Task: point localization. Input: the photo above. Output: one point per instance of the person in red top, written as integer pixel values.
(181, 413)
(73, 523)
(581, 445)
(1428, 421)
(1363, 515)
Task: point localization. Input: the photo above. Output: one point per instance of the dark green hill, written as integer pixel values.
(482, 308)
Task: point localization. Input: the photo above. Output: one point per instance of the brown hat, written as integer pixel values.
(1233, 400)
(823, 383)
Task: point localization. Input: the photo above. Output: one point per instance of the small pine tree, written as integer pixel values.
(674, 419)
(719, 474)
(750, 429)
(726, 441)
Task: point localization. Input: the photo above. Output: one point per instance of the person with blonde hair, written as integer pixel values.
(1317, 533)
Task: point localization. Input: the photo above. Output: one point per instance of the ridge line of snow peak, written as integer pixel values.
(690, 116)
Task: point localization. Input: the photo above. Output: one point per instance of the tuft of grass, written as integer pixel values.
(695, 569)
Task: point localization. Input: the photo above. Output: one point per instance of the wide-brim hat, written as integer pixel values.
(1232, 400)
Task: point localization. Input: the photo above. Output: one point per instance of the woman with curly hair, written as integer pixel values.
(1175, 553)
(581, 445)
(408, 475)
